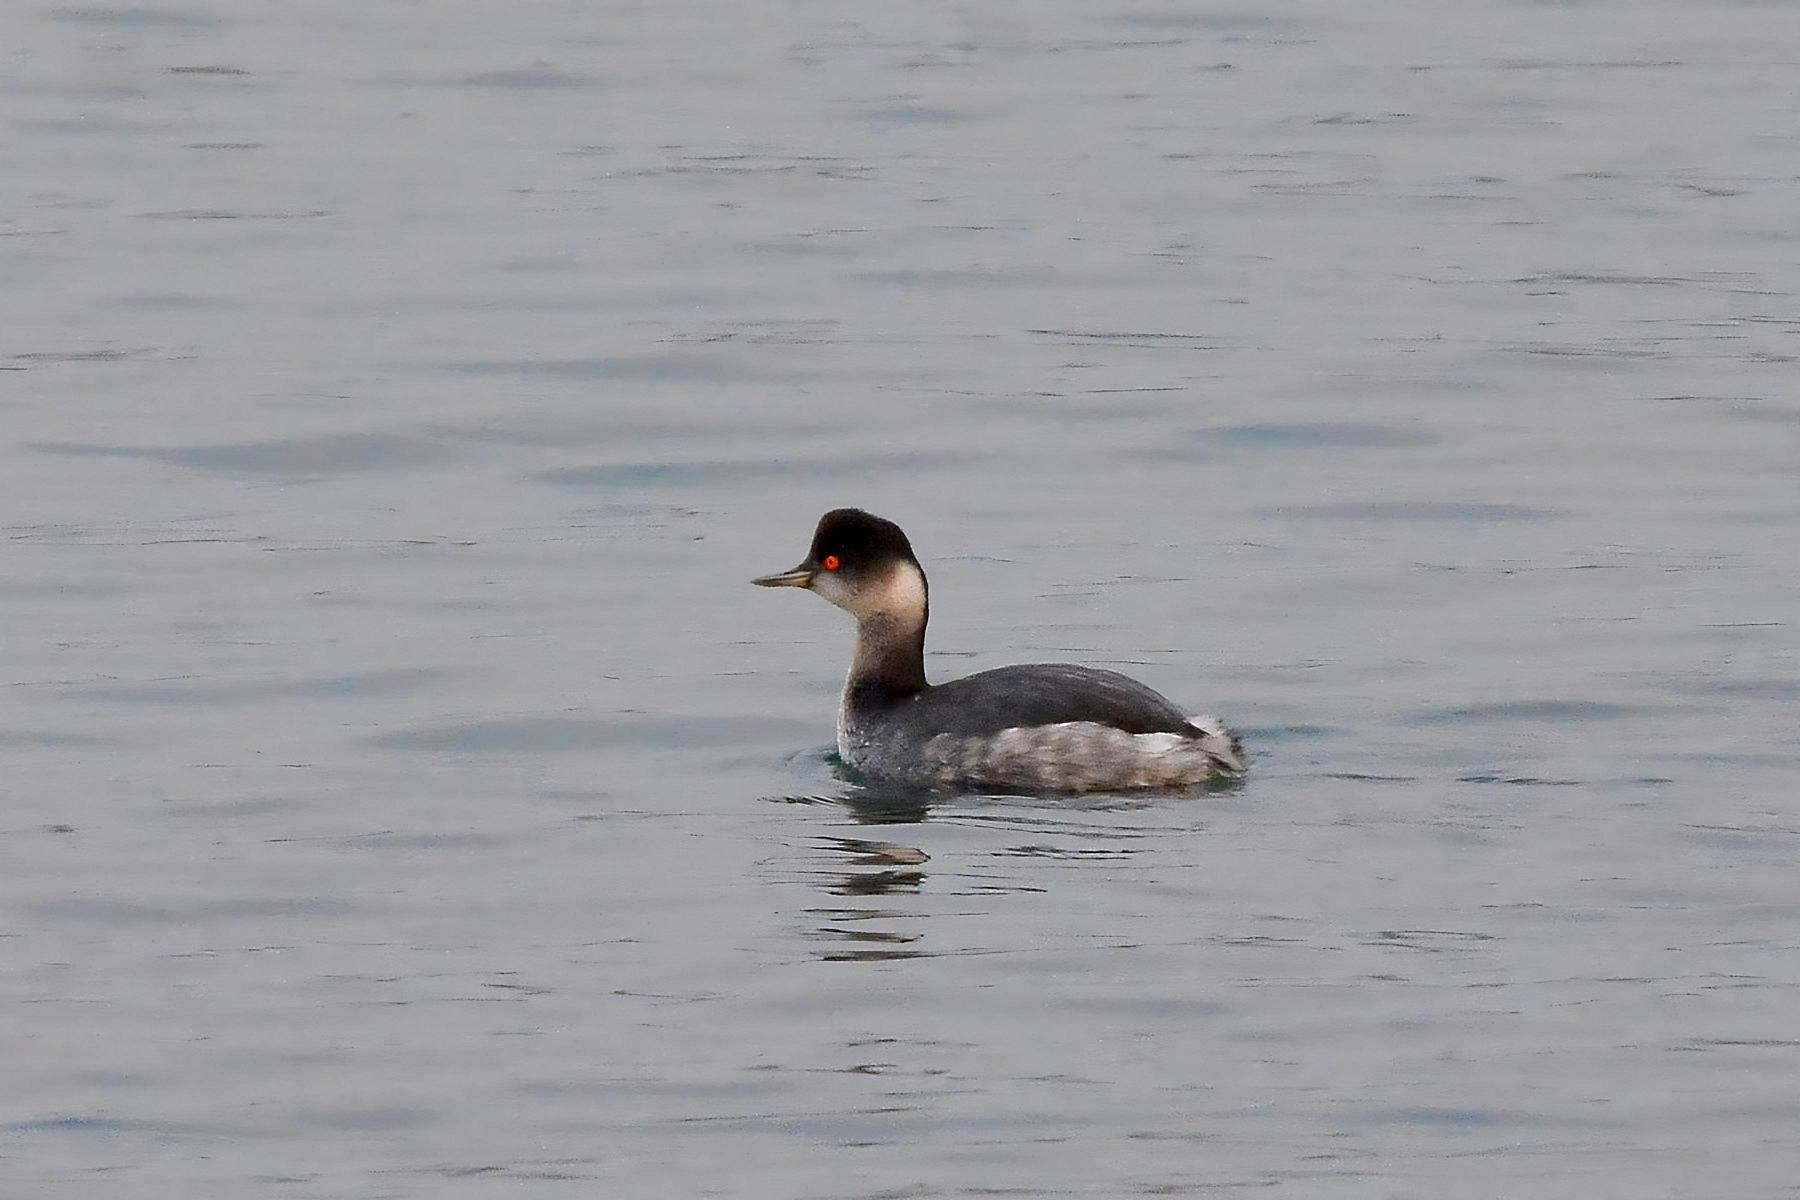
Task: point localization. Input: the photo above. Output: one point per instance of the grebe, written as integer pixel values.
(1043, 727)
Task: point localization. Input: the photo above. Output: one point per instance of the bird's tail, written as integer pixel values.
(1224, 746)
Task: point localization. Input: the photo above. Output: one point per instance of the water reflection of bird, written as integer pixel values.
(885, 868)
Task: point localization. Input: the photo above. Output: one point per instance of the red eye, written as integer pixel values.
(831, 562)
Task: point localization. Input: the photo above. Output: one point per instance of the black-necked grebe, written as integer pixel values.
(1049, 727)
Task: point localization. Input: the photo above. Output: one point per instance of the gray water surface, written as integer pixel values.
(405, 794)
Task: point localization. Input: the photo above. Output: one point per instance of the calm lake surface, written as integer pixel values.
(405, 794)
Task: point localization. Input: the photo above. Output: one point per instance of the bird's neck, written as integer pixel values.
(890, 640)
(890, 658)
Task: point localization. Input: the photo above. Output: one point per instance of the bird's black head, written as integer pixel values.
(851, 540)
(861, 563)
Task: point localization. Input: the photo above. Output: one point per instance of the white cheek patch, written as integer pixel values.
(832, 587)
(901, 595)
